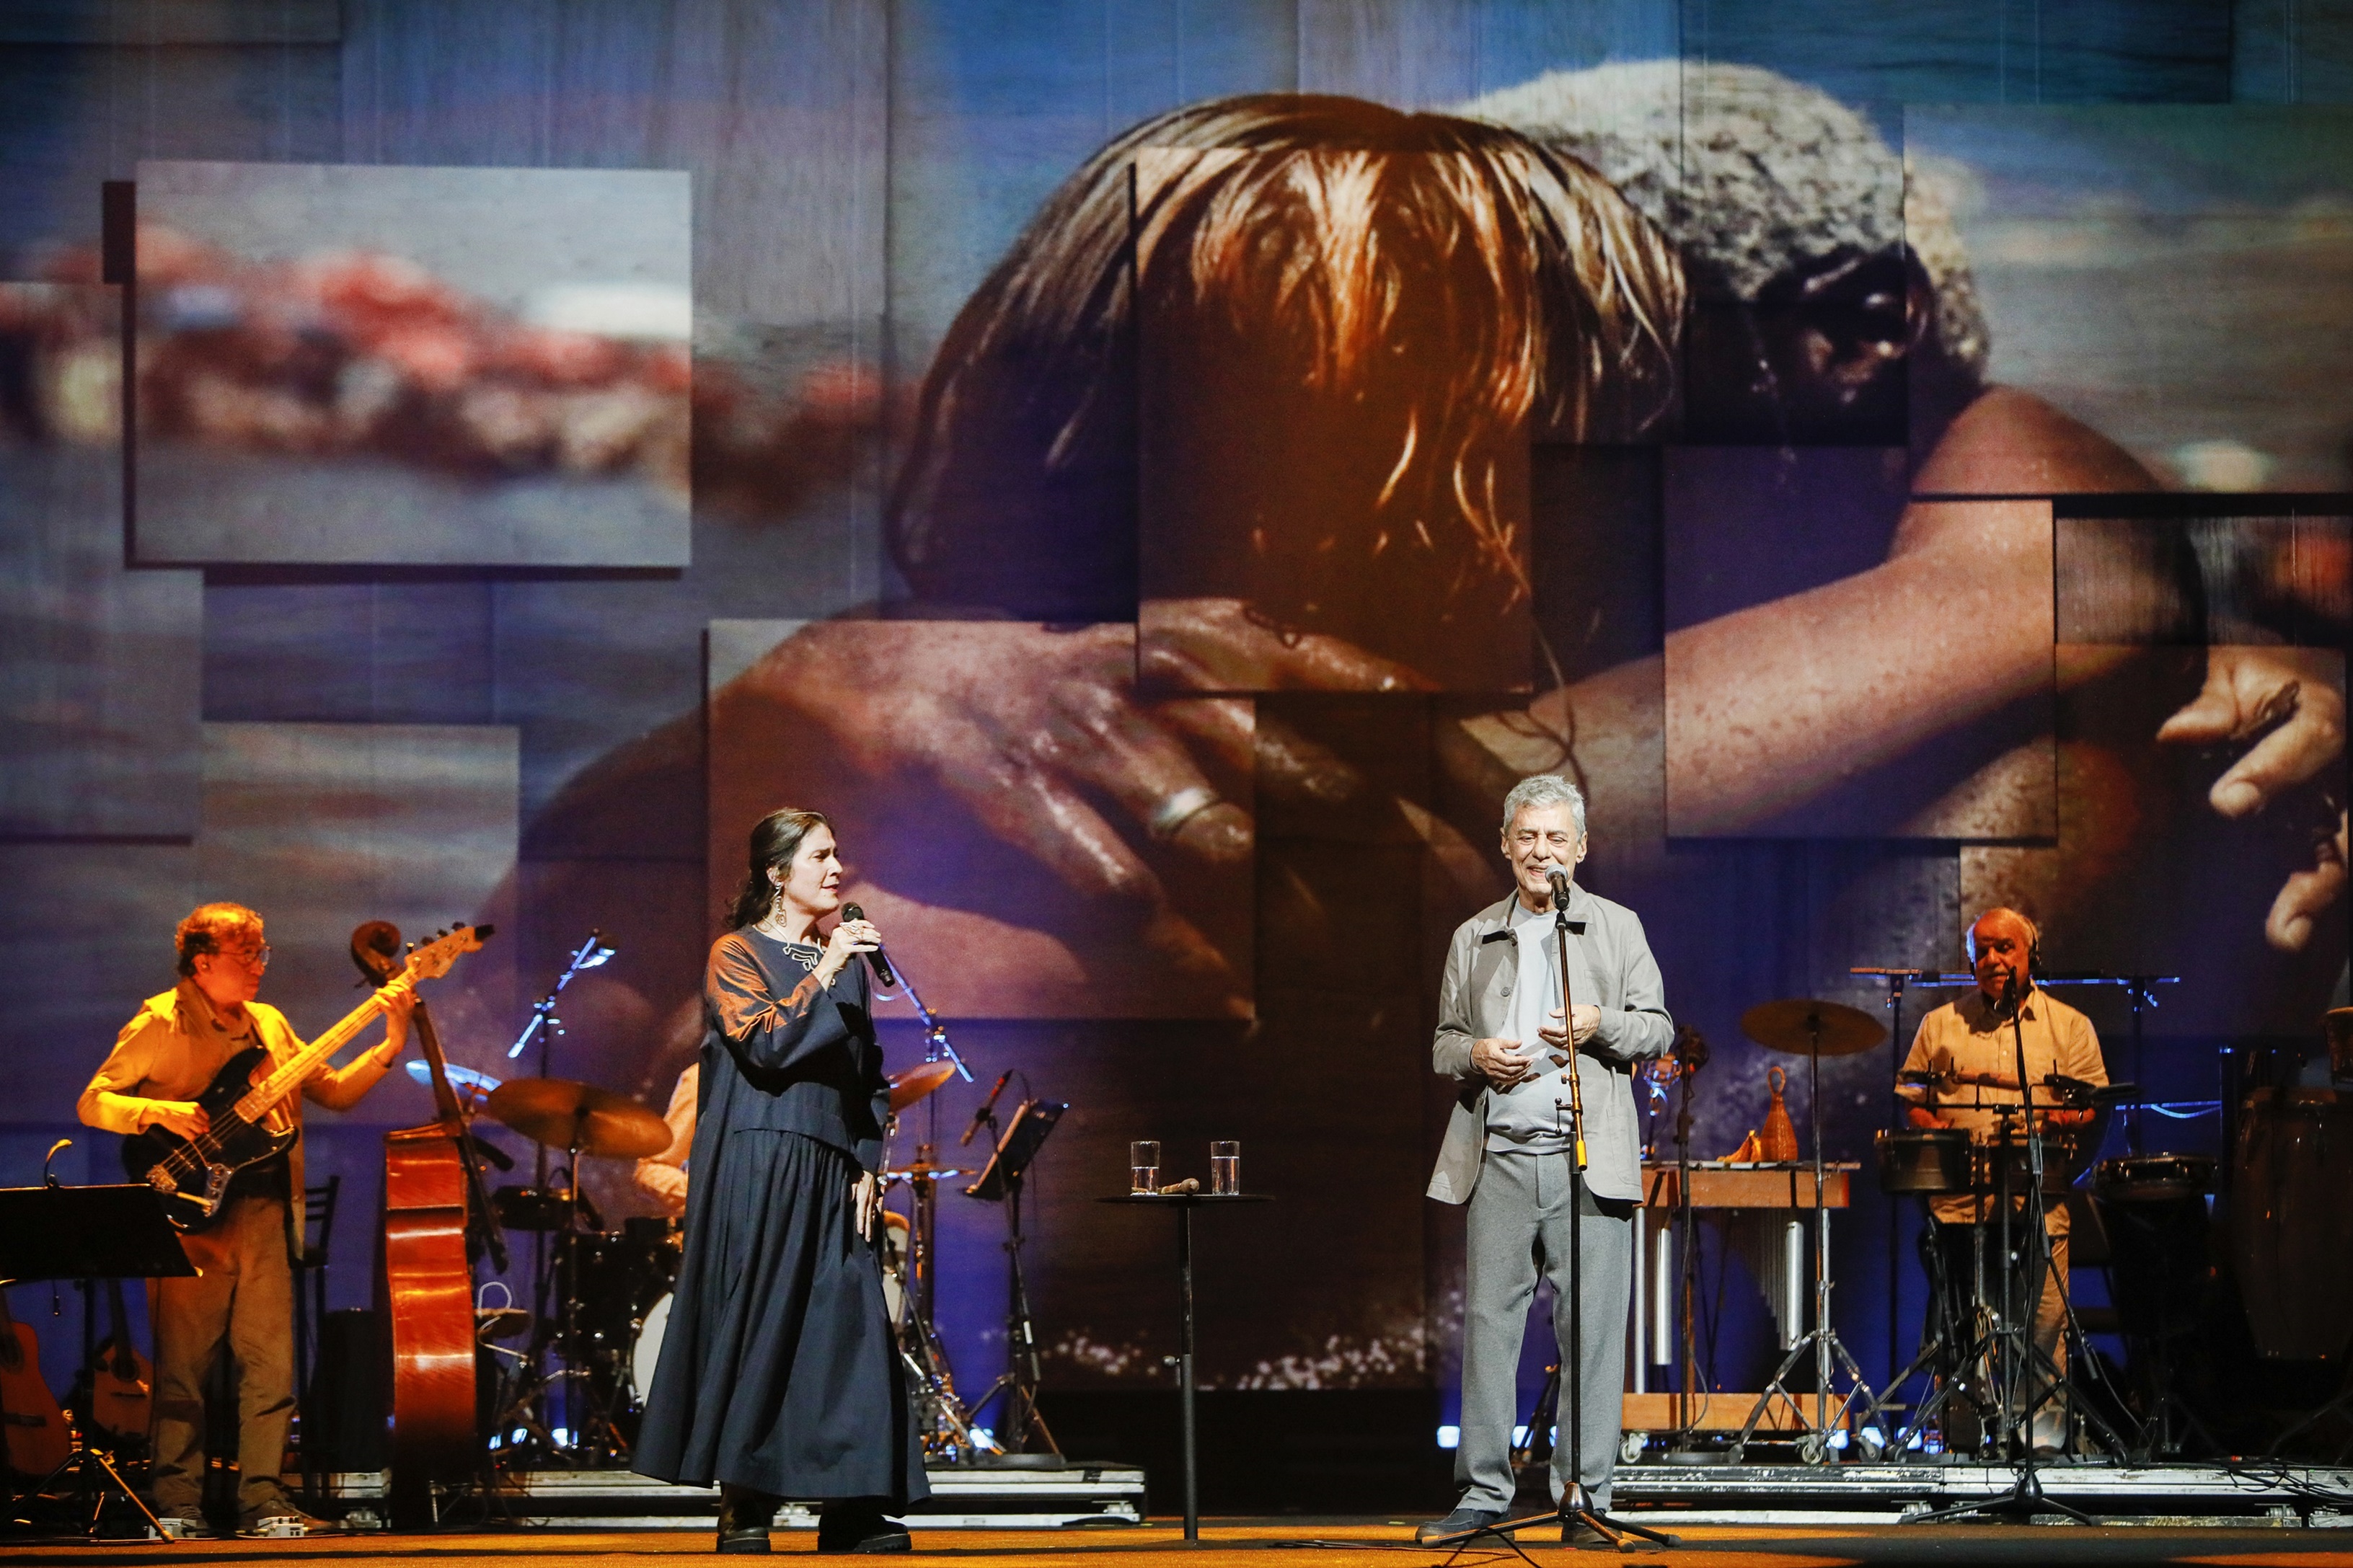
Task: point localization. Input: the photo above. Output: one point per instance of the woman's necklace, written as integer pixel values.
(807, 954)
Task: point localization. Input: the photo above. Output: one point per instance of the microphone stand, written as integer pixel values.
(2025, 1499)
(1574, 1505)
(1573, 1509)
(924, 1200)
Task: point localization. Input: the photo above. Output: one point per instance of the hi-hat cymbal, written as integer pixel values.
(566, 1115)
(500, 1323)
(1796, 1024)
(906, 1088)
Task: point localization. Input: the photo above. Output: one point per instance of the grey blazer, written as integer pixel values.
(1474, 1003)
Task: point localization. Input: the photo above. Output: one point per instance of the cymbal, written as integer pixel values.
(563, 1114)
(924, 1168)
(1793, 1026)
(906, 1088)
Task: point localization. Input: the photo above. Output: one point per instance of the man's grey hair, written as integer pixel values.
(1544, 789)
(1750, 174)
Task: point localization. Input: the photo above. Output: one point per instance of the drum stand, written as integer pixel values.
(1897, 1447)
(1813, 1447)
(943, 1424)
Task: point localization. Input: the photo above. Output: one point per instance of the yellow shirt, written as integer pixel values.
(664, 1174)
(1969, 1038)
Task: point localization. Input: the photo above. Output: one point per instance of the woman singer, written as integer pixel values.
(778, 1377)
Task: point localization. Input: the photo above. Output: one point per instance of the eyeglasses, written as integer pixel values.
(252, 957)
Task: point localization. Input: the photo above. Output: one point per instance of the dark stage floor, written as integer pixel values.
(1336, 1544)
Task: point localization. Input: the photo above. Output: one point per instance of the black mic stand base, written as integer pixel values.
(2024, 1501)
(1614, 1530)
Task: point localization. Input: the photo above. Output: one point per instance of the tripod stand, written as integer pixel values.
(1001, 1180)
(1769, 1025)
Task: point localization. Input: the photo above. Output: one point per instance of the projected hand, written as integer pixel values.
(2290, 703)
(1213, 644)
(1039, 733)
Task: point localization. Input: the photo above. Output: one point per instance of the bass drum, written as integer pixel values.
(2292, 1221)
(645, 1353)
(895, 1268)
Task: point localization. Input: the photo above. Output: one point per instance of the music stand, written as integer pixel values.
(116, 1231)
(1001, 1180)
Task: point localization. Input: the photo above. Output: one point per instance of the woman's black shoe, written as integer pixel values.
(744, 1518)
(861, 1527)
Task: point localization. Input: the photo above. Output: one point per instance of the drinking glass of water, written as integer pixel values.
(1225, 1168)
(1144, 1165)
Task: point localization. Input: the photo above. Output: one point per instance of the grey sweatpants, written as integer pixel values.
(1518, 1223)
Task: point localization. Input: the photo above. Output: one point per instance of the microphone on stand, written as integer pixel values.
(980, 1117)
(880, 965)
(1559, 880)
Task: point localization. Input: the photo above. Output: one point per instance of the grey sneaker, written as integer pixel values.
(1461, 1521)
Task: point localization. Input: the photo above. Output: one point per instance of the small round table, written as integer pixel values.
(1184, 1204)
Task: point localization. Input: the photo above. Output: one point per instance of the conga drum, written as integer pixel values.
(2292, 1221)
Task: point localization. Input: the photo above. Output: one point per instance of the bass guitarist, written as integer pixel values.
(163, 1061)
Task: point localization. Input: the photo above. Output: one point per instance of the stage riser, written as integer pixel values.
(1079, 1497)
(1882, 1494)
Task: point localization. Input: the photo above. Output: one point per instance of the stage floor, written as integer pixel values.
(1261, 1543)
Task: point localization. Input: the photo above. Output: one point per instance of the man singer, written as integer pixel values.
(1502, 1038)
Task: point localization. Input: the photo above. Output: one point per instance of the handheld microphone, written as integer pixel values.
(881, 965)
(1559, 880)
(980, 1117)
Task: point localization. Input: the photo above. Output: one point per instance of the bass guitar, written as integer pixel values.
(193, 1174)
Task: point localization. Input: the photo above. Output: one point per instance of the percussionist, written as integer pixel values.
(1969, 1047)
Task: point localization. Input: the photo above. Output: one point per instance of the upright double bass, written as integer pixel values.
(437, 1219)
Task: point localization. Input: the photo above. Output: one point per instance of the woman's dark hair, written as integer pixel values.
(1423, 288)
(775, 840)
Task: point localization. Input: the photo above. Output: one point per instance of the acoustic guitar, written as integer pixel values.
(121, 1381)
(194, 1176)
(33, 1434)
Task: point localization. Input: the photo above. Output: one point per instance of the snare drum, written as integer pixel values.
(2153, 1178)
(1928, 1161)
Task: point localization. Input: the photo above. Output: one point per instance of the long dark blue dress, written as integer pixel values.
(778, 1371)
